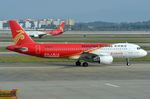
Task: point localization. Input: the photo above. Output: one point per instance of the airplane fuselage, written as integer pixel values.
(68, 50)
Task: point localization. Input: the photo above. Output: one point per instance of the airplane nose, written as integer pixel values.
(143, 53)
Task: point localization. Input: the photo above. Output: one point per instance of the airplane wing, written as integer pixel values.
(91, 56)
(35, 34)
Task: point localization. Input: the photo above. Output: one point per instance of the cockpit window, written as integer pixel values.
(138, 48)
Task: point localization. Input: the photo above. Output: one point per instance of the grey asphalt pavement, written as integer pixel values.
(65, 81)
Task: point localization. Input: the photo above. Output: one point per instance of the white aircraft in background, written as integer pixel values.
(54, 32)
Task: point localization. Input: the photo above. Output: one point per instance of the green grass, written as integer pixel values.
(30, 59)
(144, 59)
(25, 59)
(3, 49)
(94, 39)
(89, 41)
(146, 47)
(91, 38)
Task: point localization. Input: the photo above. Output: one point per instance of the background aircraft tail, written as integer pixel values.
(62, 26)
(18, 34)
(57, 31)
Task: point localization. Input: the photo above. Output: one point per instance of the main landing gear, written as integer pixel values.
(84, 64)
(78, 63)
(128, 62)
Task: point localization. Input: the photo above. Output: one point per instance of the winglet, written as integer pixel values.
(62, 26)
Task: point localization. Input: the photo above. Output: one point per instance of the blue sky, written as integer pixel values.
(80, 10)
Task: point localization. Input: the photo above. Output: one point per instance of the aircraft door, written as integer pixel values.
(37, 49)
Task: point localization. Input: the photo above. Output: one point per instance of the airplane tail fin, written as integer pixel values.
(18, 33)
(62, 26)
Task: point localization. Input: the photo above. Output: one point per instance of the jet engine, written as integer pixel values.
(103, 59)
(106, 59)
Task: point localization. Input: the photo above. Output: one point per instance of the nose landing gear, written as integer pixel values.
(128, 62)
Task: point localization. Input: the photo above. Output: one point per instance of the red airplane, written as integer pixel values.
(85, 52)
(57, 31)
(53, 32)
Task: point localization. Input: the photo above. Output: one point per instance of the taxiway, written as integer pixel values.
(65, 81)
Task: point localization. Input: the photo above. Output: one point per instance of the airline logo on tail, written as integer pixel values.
(61, 28)
(62, 25)
(19, 36)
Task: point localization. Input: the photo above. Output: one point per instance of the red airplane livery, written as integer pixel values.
(85, 52)
(57, 31)
(54, 32)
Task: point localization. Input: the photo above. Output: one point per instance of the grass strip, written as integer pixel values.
(29, 59)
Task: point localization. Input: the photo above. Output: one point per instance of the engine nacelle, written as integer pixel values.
(106, 59)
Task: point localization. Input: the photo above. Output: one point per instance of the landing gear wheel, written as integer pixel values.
(78, 63)
(85, 64)
(128, 62)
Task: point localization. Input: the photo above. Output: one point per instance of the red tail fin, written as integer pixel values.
(18, 33)
(62, 26)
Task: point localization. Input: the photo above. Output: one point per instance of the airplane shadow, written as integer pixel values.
(72, 65)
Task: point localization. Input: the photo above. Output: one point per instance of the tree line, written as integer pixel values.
(109, 26)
